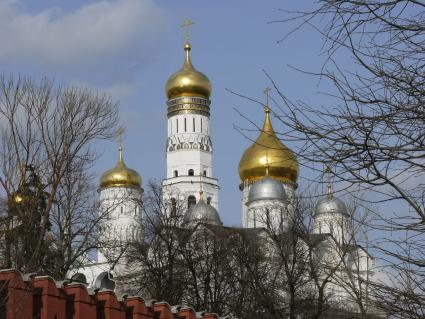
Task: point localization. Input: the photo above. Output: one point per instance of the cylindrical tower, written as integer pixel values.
(189, 148)
(120, 209)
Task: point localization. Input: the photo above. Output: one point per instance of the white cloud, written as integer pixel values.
(105, 36)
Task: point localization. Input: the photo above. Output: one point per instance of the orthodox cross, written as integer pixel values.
(266, 92)
(328, 170)
(120, 133)
(186, 25)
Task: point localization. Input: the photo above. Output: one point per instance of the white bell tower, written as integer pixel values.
(189, 148)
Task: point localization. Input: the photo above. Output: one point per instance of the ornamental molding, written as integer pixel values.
(188, 105)
(189, 142)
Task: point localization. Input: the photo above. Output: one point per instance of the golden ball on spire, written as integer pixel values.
(268, 156)
(188, 81)
(120, 175)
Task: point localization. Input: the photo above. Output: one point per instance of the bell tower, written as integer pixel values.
(189, 148)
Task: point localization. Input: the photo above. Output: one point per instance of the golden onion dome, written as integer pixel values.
(120, 175)
(188, 81)
(268, 152)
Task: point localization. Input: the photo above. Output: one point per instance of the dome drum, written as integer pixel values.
(188, 105)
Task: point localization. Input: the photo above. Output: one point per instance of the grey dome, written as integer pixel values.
(330, 205)
(266, 188)
(202, 212)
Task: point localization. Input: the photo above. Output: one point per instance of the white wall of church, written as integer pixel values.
(120, 217)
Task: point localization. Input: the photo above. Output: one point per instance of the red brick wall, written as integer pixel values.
(41, 298)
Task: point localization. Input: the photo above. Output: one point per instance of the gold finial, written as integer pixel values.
(120, 133)
(187, 23)
(328, 170)
(267, 92)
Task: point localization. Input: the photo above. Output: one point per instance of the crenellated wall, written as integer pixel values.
(42, 298)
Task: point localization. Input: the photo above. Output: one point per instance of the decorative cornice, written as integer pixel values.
(189, 105)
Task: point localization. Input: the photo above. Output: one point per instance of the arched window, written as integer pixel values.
(209, 200)
(191, 200)
(205, 173)
(176, 173)
(191, 172)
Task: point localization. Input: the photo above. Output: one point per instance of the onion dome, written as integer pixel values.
(188, 81)
(120, 175)
(330, 205)
(269, 151)
(202, 212)
(266, 188)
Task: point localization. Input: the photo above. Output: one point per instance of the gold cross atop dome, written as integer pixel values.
(267, 92)
(187, 23)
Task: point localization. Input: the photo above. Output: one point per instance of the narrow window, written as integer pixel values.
(122, 210)
(332, 228)
(176, 173)
(201, 124)
(191, 200)
(185, 125)
(205, 173)
(173, 206)
(209, 200)
(194, 125)
(177, 125)
(191, 172)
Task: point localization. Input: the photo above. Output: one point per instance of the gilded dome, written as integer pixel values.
(120, 175)
(188, 81)
(268, 152)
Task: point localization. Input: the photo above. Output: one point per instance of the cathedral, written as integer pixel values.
(268, 172)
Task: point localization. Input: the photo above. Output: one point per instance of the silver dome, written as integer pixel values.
(266, 188)
(202, 212)
(330, 205)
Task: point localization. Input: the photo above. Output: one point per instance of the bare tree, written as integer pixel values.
(157, 255)
(49, 131)
(373, 134)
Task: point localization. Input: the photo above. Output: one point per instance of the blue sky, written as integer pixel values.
(129, 48)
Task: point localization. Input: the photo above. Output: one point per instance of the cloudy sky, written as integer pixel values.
(129, 48)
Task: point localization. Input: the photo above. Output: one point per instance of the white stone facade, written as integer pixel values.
(120, 219)
(189, 152)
